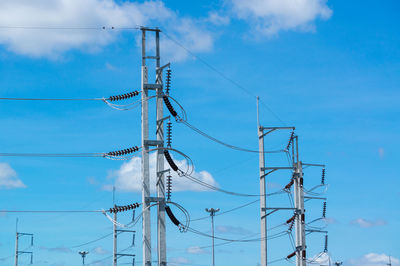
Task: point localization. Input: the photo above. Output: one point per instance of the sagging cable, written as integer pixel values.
(174, 220)
(169, 106)
(170, 161)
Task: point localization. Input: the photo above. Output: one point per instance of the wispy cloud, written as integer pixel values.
(9, 178)
(373, 259)
(52, 43)
(58, 249)
(272, 16)
(381, 152)
(196, 250)
(368, 223)
(128, 177)
(236, 230)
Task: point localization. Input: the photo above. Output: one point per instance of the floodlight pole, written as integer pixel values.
(212, 212)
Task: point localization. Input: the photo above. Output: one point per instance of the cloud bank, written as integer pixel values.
(9, 178)
(128, 177)
(271, 16)
(52, 43)
(374, 259)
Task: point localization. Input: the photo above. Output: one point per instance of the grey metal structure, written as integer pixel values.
(212, 212)
(299, 205)
(264, 172)
(116, 232)
(263, 212)
(17, 251)
(159, 144)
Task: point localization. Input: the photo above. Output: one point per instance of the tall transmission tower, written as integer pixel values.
(147, 200)
(299, 205)
(262, 132)
(19, 252)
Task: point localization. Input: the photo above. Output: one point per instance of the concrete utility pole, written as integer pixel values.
(83, 254)
(263, 211)
(212, 212)
(299, 205)
(116, 232)
(17, 251)
(159, 144)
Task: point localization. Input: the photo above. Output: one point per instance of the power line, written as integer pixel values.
(99, 28)
(222, 74)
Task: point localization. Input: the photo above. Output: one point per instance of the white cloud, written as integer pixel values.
(90, 13)
(195, 250)
(218, 19)
(373, 259)
(9, 178)
(178, 261)
(100, 251)
(271, 16)
(321, 259)
(367, 223)
(128, 176)
(381, 152)
(236, 230)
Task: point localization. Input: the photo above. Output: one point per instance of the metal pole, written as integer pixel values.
(299, 206)
(160, 184)
(212, 212)
(263, 212)
(115, 240)
(145, 161)
(16, 249)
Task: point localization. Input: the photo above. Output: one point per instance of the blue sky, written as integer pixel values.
(330, 68)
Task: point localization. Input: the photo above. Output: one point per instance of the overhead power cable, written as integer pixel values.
(184, 121)
(120, 154)
(99, 28)
(220, 73)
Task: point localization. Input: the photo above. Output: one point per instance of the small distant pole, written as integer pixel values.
(212, 212)
(83, 254)
(390, 261)
(338, 263)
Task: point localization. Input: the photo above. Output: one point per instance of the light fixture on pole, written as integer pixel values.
(212, 212)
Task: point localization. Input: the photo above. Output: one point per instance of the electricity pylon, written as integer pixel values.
(147, 200)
